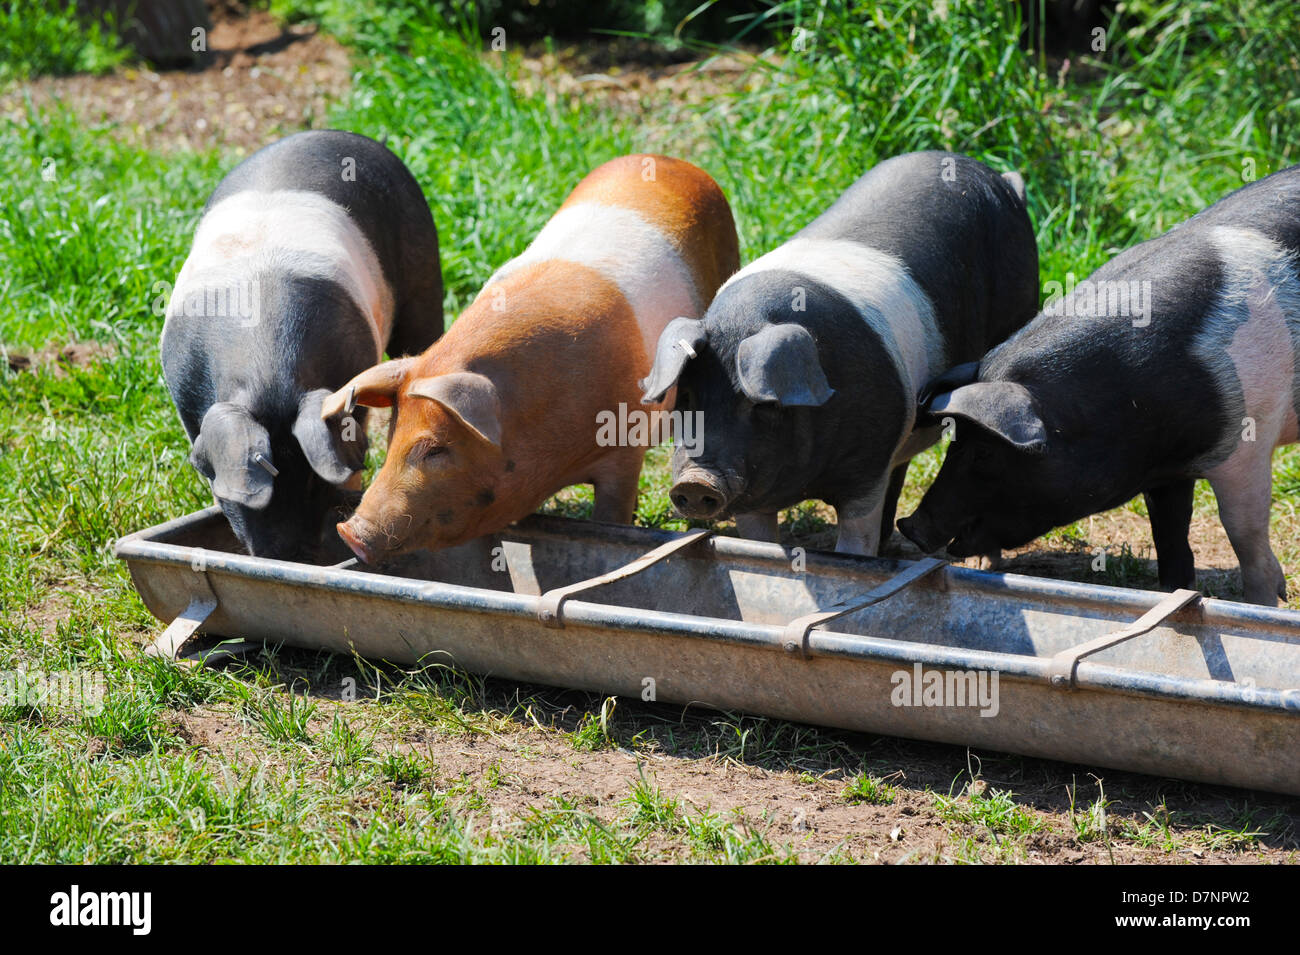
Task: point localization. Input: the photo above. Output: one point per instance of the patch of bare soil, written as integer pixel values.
(811, 815)
(807, 808)
(77, 355)
(45, 617)
(208, 730)
(260, 81)
(636, 77)
(643, 80)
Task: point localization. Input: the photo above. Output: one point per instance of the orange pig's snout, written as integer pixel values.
(356, 541)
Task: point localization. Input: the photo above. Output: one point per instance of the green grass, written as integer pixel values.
(284, 719)
(1116, 150)
(996, 810)
(1090, 823)
(593, 731)
(865, 788)
(47, 36)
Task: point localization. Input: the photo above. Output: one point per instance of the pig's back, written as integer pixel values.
(1270, 206)
(1217, 340)
(658, 228)
(362, 177)
(962, 232)
(253, 240)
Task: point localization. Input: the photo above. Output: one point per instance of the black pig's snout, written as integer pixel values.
(697, 499)
(699, 494)
(922, 533)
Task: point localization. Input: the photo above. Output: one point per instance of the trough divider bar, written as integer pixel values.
(550, 605)
(1062, 667)
(171, 641)
(187, 622)
(795, 636)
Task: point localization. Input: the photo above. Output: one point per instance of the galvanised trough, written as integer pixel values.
(1167, 684)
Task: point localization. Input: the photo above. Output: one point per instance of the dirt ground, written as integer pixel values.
(801, 802)
(261, 81)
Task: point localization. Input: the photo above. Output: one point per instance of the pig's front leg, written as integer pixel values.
(890, 508)
(758, 527)
(1169, 508)
(913, 444)
(1243, 486)
(615, 483)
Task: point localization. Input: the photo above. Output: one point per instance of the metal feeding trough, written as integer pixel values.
(1168, 684)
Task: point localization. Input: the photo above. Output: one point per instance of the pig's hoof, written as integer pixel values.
(992, 561)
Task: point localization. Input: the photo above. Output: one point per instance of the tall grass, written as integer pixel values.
(49, 36)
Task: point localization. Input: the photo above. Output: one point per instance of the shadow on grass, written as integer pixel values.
(1144, 810)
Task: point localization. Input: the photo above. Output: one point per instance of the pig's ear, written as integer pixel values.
(781, 364)
(471, 398)
(234, 452)
(334, 449)
(1004, 407)
(375, 387)
(679, 343)
(954, 377)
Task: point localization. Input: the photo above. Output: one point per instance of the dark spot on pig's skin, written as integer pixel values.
(485, 498)
(510, 466)
(446, 517)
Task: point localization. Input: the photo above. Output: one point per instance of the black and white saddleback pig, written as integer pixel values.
(312, 258)
(804, 372)
(1173, 361)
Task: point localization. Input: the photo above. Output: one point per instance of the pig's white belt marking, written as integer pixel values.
(879, 286)
(252, 233)
(1248, 343)
(628, 250)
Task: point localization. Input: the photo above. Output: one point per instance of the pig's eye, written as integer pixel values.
(425, 452)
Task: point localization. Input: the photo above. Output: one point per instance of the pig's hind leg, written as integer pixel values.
(615, 480)
(758, 527)
(1169, 508)
(1243, 486)
(418, 323)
